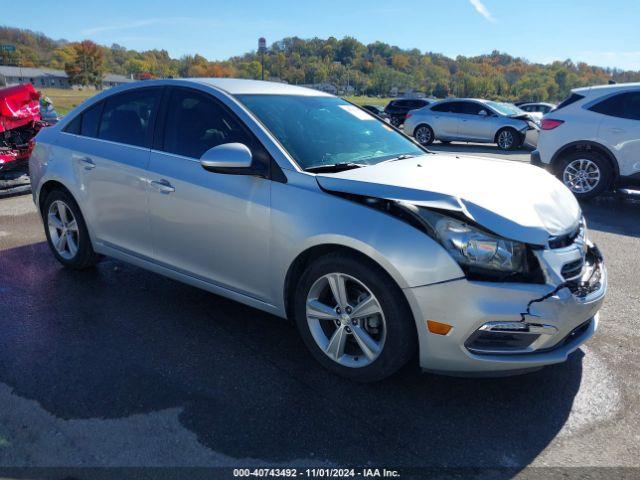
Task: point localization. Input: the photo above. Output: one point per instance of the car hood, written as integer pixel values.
(517, 201)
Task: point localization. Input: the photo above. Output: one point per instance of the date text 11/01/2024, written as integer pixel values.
(316, 472)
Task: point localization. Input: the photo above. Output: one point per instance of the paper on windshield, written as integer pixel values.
(356, 112)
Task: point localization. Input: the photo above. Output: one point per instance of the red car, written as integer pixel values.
(19, 123)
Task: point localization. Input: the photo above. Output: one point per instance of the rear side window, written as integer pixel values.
(74, 125)
(126, 117)
(90, 121)
(195, 123)
(86, 123)
(623, 105)
(573, 98)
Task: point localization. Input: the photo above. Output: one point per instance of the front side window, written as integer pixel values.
(196, 122)
(471, 108)
(623, 105)
(318, 130)
(126, 117)
(442, 107)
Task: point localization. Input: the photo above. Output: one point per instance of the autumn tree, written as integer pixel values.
(87, 67)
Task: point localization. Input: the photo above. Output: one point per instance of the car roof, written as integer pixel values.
(537, 103)
(602, 89)
(231, 86)
(239, 86)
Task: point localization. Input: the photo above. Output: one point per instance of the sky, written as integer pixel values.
(604, 33)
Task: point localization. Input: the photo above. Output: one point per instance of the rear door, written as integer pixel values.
(212, 226)
(620, 128)
(445, 122)
(109, 145)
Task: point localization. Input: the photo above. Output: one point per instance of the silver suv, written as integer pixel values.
(472, 120)
(373, 246)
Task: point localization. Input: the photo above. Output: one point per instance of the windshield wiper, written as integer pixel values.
(334, 167)
(404, 156)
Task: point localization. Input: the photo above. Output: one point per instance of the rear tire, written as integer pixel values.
(396, 121)
(424, 135)
(66, 231)
(386, 328)
(508, 139)
(586, 173)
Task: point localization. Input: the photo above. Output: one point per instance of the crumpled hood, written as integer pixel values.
(517, 201)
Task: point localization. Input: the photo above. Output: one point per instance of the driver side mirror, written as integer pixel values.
(483, 113)
(232, 158)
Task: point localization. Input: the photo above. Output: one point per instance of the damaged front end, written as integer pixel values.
(19, 124)
(519, 306)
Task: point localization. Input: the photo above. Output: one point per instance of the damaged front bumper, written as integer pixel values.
(502, 327)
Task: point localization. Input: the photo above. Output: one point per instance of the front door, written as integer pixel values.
(212, 226)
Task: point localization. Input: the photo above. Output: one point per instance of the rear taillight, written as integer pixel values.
(550, 124)
(408, 115)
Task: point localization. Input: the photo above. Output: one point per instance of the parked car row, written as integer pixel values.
(591, 141)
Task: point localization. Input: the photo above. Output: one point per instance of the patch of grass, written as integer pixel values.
(362, 100)
(66, 99)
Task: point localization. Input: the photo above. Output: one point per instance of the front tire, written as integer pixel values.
(586, 173)
(353, 318)
(66, 231)
(424, 135)
(508, 139)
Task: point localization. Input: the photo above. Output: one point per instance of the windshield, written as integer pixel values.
(327, 130)
(505, 108)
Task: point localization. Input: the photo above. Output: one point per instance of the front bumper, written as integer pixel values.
(569, 316)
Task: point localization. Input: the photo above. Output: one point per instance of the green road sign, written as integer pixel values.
(7, 48)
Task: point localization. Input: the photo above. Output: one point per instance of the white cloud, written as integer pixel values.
(482, 10)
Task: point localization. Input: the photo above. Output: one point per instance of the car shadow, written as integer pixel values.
(116, 341)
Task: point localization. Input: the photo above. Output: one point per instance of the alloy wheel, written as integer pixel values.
(505, 139)
(63, 229)
(581, 175)
(346, 320)
(423, 135)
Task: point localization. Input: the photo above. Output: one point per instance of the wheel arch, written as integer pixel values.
(47, 187)
(422, 123)
(506, 127)
(306, 257)
(588, 145)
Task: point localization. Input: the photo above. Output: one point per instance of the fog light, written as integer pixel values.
(438, 328)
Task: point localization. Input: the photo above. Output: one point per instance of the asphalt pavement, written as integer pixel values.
(117, 366)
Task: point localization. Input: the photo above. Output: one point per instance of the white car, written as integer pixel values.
(537, 109)
(591, 141)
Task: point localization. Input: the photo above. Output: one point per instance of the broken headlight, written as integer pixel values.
(474, 249)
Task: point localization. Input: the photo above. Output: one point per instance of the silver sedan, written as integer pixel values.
(472, 120)
(373, 246)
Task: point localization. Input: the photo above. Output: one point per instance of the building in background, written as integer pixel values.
(49, 78)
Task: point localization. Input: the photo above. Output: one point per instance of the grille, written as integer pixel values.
(573, 269)
(566, 240)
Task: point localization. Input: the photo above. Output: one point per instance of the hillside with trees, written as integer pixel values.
(373, 69)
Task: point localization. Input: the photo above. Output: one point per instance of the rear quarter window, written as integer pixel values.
(573, 98)
(91, 120)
